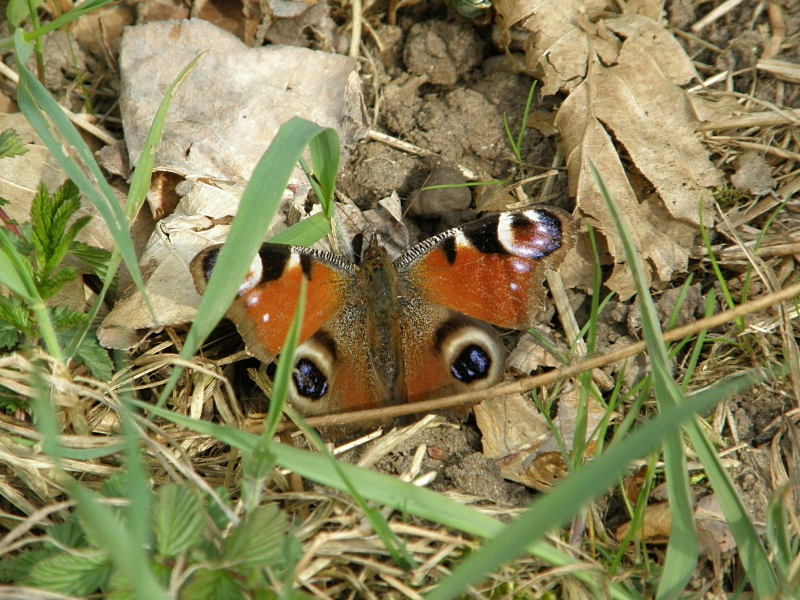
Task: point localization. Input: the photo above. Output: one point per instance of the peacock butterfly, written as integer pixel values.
(380, 333)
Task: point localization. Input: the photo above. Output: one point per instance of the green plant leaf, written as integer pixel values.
(212, 584)
(97, 259)
(9, 334)
(257, 540)
(49, 286)
(73, 155)
(14, 313)
(50, 214)
(95, 358)
(10, 143)
(177, 519)
(68, 533)
(15, 568)
(72, 574)
(18, 10)
(66, 318)
(304, 233)
(15, 271)
(113, 536)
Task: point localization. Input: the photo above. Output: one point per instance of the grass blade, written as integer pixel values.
(751, 551)
(567, 498)
(256, 210)
(140, 185)
(683, 548)
(58, 134)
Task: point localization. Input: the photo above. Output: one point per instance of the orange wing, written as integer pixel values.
(491, 269)
(264, 307)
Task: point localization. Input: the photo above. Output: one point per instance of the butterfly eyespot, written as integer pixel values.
(309, 380)
(472, 364)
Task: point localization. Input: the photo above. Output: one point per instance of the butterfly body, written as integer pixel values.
(381, 332)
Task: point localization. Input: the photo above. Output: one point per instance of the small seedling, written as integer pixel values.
(39, 247)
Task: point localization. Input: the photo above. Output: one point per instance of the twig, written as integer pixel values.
(715, 14)
(355, 37)
(777, 28)
(399, 144)
(759, 119)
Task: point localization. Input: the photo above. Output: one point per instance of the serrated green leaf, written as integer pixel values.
(207, 584)
(214, 511)
(257, 541)
(14, 313)
(65, 318)
(13, 569)
(120, 588)
(53, 282)
(96, 259)
(95, 358)
(177, 519)
(11, 145)
(65, 242)
(9, 334)
(50, 215)
(73, 574)
(68, 533)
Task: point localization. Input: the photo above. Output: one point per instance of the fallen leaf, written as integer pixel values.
(753, 174)
(624, 76)
(218, 130)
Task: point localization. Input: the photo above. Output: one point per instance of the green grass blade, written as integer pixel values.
(325, 153)
(306, 232)
(683, 548)
(557, 507)
(58, 134)
(13, 273)
(67, 17)
(751, 551)
(256, 210)
(377, 488)
(128, 557)
(137, 193)
(16, 274)
(283, 374)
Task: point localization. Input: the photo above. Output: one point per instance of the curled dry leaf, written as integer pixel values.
(624, 77)
(713, 532)
(518, 437)
(201, 218)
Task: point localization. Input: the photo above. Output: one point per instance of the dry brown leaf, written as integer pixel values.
(557, 47)
(712, 531)
(753, 174)
(624, 77)
(518, 437)
(656, 524)
(637, 102)
(230, 107)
